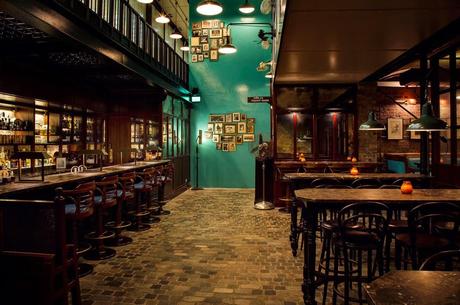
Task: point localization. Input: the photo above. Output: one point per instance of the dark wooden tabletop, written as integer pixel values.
(415, 288)
(347, 176)
(57, 180)
(389, 196)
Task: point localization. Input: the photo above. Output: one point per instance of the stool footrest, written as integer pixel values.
(105, 235)
(122, 225)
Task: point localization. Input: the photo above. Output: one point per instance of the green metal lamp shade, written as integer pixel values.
(427, 121)
(372, 123)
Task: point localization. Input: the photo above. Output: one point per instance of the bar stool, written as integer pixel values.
(361, 228)
(145, 189)
(80, 207)
(167, 175)
(119, 223)
(106, 199)
(128, 181)
(289, 198)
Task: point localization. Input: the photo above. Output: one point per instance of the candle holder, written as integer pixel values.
(406, 187)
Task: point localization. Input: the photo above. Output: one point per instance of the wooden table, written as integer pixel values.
(315, 200)
(415, 287)
(56, 180)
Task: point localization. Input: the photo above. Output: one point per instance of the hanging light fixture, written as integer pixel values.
(228, 48)
(163, 18)
(185, 47)
(269, 75)
(372, 123)
(247, 8)
(175, 34)
(427, 121)
(209, 8)
(145, 1)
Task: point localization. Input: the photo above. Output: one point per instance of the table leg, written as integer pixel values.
(294, 237)
(309, 224)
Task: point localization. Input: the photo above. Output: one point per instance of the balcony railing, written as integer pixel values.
(118, 20)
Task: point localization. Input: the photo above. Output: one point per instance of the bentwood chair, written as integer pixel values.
(443, 261)
(433, 227)
(361, 230)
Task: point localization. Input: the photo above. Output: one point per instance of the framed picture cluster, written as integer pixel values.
(229, 130)
(207, 37)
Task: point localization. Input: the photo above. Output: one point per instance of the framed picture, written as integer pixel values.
(215, 24)
(214, 55)
(242, 127)
(228, 118)
(198, 50)
(250, 125)
(243, 117)
(214, 43)
(205, 32)
(224, 146)
(236, 116)
(206, 24)
(219, 118)
(206, 54)
(208, 135)
(239, 139)
(251, 121)
(195, 42)
(395, 129)
(196, 26)
(61, 163)
(230, 128)
(219, 146)
(215, 33)
(194, 58)
(196, 33)
(218, 128)
(210, 127)
(231, 147)
(227, 139)
(216, 138)
(248, 137)
(205, 47)
(192, 50)
(200, 57)
(225, 32)
(203, 39)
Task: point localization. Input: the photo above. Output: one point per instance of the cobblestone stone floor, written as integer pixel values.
(214, 248)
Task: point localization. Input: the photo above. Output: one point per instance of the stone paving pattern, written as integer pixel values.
(214, 248)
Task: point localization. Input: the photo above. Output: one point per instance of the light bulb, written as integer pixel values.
(145, 1)
(227, 49)
(162, 19)
(269, 75)
(247, 8)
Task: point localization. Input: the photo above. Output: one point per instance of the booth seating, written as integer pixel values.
(35, 253)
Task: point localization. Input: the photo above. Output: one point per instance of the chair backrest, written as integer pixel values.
(389, 186)
(83, 198)
(108, 187)
(127, 181)
(328, 169)
(434, 218)
(325, 181)
(328, 186)
(372, 217)
(367, 186)
(443, 261)
(365, 181)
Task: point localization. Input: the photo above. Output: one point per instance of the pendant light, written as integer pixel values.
(269, 75)
(427, 121)
(163, 18)
(247, 8)
(227, 49)
(372, 123)
(175, 34)
(185, 47)
(209, 8)
(145, 1)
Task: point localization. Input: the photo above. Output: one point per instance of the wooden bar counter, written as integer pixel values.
(56, 180)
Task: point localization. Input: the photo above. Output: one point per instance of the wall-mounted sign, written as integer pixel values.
(259, 99)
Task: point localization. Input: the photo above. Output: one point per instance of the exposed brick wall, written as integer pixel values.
(373, 144)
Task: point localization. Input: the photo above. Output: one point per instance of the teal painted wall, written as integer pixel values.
(224, 87)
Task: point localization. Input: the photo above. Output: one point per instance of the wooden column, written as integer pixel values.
(423, 135)
(435, 136)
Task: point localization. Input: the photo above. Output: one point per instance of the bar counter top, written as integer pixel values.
(56, 180)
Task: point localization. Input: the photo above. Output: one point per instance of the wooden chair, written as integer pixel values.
(450, 260)
(37, 264)
(80, 207)
(325, 181)
(433, 226)
(365, 183)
